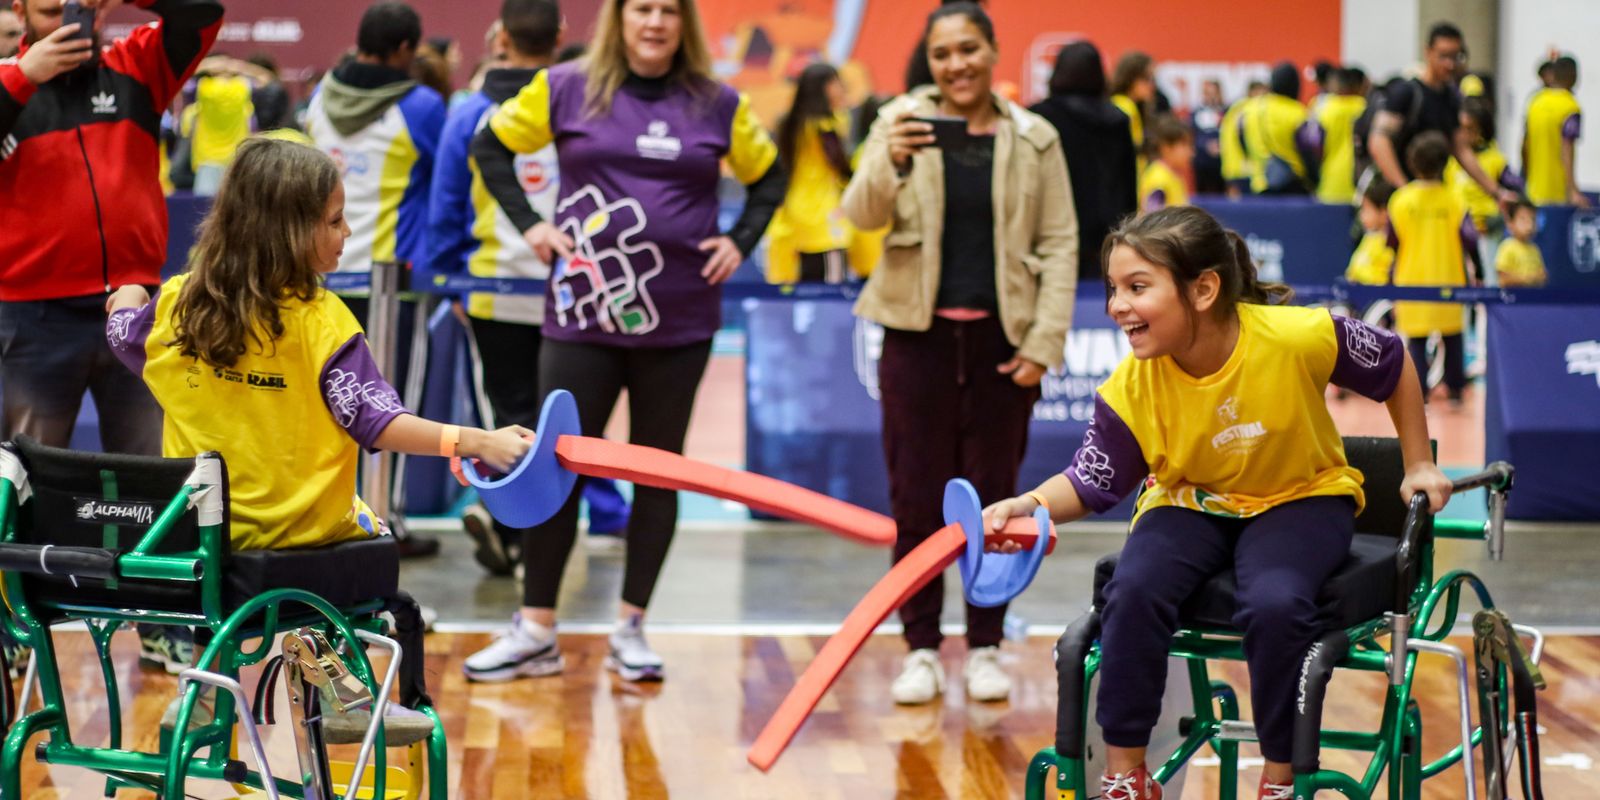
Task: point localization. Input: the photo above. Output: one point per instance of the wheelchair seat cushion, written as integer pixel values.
(1360, 590)
(343, 574)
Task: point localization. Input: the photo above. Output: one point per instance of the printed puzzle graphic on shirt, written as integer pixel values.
(346, 392)
(117, 329)
(605, 282)
(1361, 341)
(1094, 465)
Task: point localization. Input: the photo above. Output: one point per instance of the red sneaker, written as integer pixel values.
(1275, 791)
(1134, 785)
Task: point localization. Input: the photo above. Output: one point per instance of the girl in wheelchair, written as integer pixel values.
(249, 356)
(1219, 414)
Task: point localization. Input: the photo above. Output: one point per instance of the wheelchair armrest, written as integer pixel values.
(1498, 476)
(94, 562)
(1417, 519)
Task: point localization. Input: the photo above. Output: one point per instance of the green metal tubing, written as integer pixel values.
(1352, 740)
(100, 634)
(176, 508)
(1307, 785)
(1457, 529)
(1451, 758)
(161, 568)
(1033, 787)
(134, 763)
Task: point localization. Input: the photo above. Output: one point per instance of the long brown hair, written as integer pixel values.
(254, 250)
(1187, 242)
(606, 64)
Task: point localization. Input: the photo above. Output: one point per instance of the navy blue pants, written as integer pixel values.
(1281, 559)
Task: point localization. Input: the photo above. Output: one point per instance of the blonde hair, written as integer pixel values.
(254, 251)
(606, 65)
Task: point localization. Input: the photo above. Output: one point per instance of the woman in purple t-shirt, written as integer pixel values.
(641, 131)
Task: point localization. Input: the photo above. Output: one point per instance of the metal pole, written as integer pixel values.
(382, 311)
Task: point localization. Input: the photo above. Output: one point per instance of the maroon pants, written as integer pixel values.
(948, 414)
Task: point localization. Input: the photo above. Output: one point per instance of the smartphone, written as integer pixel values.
(74, 11)
(949, 133)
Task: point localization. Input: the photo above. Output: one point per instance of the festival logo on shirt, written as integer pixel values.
(604, 283)
(657, 143)
(346, 393)
(1236, 438)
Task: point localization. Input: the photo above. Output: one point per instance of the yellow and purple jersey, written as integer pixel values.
(1554, 117)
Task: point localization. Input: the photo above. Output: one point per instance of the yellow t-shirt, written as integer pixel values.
(1337, 114)
(1135, 126)
(222, 122)
(1235, 165)
(810, 219)
(1482, 207)
(1519, 263)
(1252, 436)
(1427, 218)
(1158, 177)
(291, 466)
(1553, 115)
(1270, 124)
(1371, 262)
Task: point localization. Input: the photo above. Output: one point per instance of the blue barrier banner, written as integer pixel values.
(1293, 239)
(1543, 407)
(813, 419)
(1569, 240)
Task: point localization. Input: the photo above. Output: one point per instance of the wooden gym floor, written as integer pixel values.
(585, 734)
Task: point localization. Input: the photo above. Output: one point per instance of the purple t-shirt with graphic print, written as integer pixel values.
(1109, 464)
(357, 396)
(638, 195)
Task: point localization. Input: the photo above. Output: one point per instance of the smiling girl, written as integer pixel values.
(1219, 414)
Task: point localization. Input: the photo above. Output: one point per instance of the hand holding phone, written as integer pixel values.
(75, 11)
(949, 133)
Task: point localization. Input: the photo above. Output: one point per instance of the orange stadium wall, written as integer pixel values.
(759, 44)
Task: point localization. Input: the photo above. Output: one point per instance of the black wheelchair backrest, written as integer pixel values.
(109, 501)
(1382, 469)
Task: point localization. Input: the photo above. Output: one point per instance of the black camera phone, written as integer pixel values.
(949, 133)
(75, 11)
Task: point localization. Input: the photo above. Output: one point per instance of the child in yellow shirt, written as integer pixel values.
(1219, 413)
(1373, 259)
(1519, 262)
(1162, 184)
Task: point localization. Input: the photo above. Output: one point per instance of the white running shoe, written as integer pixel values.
(986, 681)
(921, 679)
(526, 649)
(631, 657)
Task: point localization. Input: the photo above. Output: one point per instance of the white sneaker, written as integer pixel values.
(631, 657)
(986, 681)
(921, 679)
(525, 649)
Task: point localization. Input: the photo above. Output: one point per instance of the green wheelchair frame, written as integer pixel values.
(202, 501)
(1396, 745)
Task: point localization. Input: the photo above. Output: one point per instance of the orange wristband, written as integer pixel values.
(449, 440)
(1039, 498)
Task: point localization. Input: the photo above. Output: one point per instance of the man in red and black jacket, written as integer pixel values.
(81, 210)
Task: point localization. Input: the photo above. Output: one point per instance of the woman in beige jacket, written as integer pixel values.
(975, 292)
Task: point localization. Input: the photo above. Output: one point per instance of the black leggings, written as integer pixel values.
(661, 384)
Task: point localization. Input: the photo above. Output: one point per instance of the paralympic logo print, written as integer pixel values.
(1094, 465)
(605, 282)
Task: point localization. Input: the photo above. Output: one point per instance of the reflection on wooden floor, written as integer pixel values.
(588, 735)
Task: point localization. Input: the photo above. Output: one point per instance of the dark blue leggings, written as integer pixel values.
(1281, 559)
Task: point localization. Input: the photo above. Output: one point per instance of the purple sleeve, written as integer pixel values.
(1109, 464)
(1156, 201)
(1469, 233)
(1511, 180)
(1572, 128)
(1391, 237)
(126, 332)
(1309, 139)
(1370, 360)
(361, 401)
